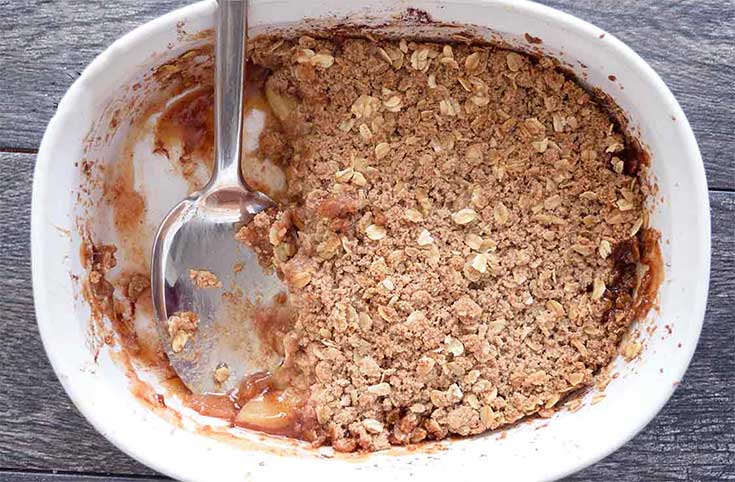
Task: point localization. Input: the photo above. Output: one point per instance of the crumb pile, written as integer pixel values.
(460, 242)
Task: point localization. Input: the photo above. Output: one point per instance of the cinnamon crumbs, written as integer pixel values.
(454, 237)
(463, 238)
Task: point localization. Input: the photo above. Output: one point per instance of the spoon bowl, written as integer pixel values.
(199, 234)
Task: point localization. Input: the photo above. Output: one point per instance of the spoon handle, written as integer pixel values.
(228, 95)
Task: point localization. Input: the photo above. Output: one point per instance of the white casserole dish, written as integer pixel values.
(568, 443)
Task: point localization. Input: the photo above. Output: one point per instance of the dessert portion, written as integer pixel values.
(463, 239)
(461, 229)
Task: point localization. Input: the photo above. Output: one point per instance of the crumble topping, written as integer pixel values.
(221, 373)
(202, 278)
(462, 238)
(181, 327)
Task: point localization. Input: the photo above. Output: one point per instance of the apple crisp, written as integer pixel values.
(463, 235)
(461, 229)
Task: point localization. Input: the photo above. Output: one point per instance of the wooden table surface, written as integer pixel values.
(44, 46)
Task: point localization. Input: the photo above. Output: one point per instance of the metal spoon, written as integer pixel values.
(199, 234)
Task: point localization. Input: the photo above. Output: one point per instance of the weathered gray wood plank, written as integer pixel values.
(693, 438)
(12, 476)
(691, 43)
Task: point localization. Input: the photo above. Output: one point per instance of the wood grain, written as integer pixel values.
(690, 43)
(12, 476)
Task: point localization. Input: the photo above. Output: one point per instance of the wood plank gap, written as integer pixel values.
(19, 150)
(73, 475)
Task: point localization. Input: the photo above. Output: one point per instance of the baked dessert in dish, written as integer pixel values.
(462, 229)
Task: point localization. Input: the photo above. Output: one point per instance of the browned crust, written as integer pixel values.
(644, 249)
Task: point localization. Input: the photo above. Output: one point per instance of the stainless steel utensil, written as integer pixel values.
(199, 234)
